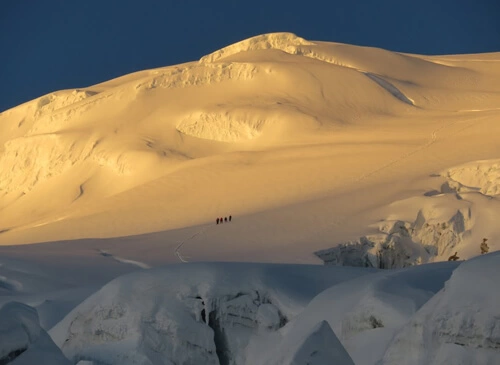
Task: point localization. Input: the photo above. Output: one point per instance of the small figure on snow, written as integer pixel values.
(225, 219)
(453, 257)
(221, 220)
(484, 246)
(217, 220)
(229, 218)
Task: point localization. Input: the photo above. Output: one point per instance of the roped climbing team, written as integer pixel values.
(222, 220)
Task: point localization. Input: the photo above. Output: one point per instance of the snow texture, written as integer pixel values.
(459, 325)
(307, 144)
(401, 244)
(363, 119)
(441, 228)
(194, 313)
(482, 176)
(23, 341)
(319, 347)
(369, 310)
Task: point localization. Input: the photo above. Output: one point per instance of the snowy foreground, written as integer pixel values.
(235, 313)
(322, 153)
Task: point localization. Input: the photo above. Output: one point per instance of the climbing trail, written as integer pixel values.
(177, 252)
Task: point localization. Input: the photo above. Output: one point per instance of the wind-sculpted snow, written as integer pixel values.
(52, 102)
(194, 74)
(319, 347)
(190, 313)
(459, 325)
(365, 313)
(453, 219)
(45, 156)
(482, 176)
(379, 66)
(401, 244)
(44, 110)
(32, 160)
(224, 126)
(287, 42)
(22, 341)
(46, 114)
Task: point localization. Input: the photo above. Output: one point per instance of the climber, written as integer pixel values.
(453, 257)
(217, 220)
(484, 246)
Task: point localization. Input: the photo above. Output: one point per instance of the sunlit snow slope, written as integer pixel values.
(306, 144)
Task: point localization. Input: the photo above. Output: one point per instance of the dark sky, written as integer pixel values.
(48, 45)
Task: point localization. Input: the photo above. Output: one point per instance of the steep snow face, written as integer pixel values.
(286, 42)
(52, 154)
(224, 126)
(481, 176)
(55, 101)
(401, 244)
(22, 341)
(196, 75)
(318, 347)
(367, 312)
(459, 325)
(193, 313)
(453, 219)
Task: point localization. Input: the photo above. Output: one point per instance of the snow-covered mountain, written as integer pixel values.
(319, 152)
(306, 143)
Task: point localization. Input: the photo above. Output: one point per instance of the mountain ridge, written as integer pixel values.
(269, 124)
